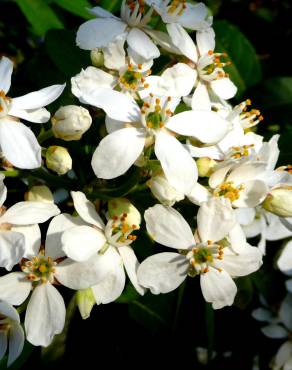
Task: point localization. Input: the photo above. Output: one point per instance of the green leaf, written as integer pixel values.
(112, 6)
(154, 312)
(64, 53)
(77, 7)
(40, 16)
(245, 70)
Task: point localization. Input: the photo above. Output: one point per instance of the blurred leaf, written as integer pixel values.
(112, 6)
(77, 7)
(129, 294)
(40, 15)
(154, 312)
(62, 50)
(57, 348)
(244, 292)
(245, 70)
(18, 364)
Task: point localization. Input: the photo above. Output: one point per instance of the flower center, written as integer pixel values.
(202, 256)
(210, 66)
(39, 269)
(118, 231)
(237, 152)
(228, 190)
(133, 77)
(136, 13)
(176, 7)
(155, 114)
(5, 104)
(248, 118)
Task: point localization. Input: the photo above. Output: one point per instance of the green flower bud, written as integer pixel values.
(279, 201)
(97, 58)
(58, 159)
(163, 191)
(118, 207)
(85, 301)
(40, 193)
(205, 166)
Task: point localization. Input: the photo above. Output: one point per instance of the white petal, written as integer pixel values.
(194, 16)
(262, 314)
(38, 99)
(142, 44)
(283, 355)
(14, 289)
(115, 104)
(177, 164)
(9, 311)
(12, 248)
(237, 238)
(275, 229)
(181, 79)
(224, 88)
(114, 53)
(112, 286)
(91, 79)
(117, 152)
(131, 265)
(199, 194)
(6, 68)
(19, 145)
(97, 33)
(3, 191)
(219, 176)
(162, 39)
(32, 236)
(168, 227)
(248, 261)
(285, 312)
(39, 115)
(162, 272)
(182, 41)
(205, 40)
(218, 288)
(56, 228)
(245, 216)
(215, 219)
(113, 124)
(246, 172)
(201, 99)
(82, 242)
(83, 275)
(16, 343)
(29, 212)
(288, 284)
(3, 344)
(285, 260)
(206, 126)
(45, 315)
(274, 331)
(86, 209)
(253, 193)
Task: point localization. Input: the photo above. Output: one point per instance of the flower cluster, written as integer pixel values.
(187, 143)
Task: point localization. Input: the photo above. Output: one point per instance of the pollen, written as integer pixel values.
(39, 269)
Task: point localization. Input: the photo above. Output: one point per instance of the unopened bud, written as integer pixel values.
(279, 201)
(40, 193)
(163, 191)
(97, 58)
(58, 159)
(85, 301)
(118, 207)
(70, 122)
(205, 166)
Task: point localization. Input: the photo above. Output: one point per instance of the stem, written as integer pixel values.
(180, 295)
(45, 135)
(210, 329)
(53, 180)
(11, 173)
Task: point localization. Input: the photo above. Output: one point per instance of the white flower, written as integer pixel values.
(100, 32)
(284, 262)
(114, 156)
(41, 268)
(15, 221)
(17, 141)
(215, 260)
(188, 15)
(101, 249)
(11, 333)
(208, 64)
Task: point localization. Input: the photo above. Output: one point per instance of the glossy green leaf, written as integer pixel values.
(40, 15)
(245, 68)
(77, 7)
(62, 50)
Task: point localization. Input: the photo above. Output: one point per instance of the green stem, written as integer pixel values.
(45, 135)
(210, 328)
(180, 295)
(11, 173)
(42, 173)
